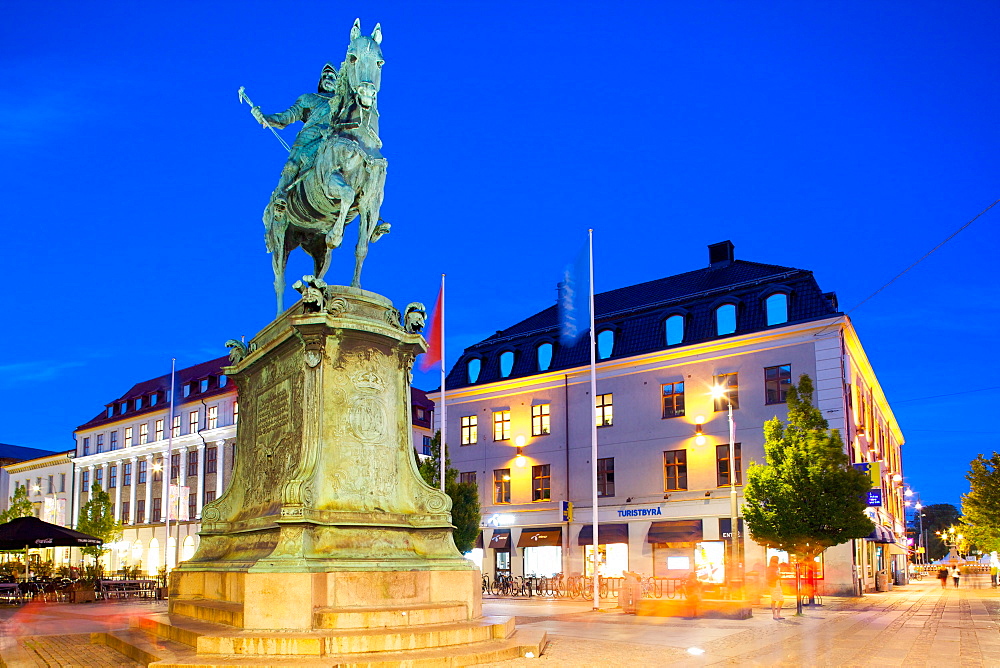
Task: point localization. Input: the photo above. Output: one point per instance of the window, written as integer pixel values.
(236, 412)
(777, 309)
(128, 437)
(501, 486)
(426, 445)
(52, 484)
(675, 470)
(722, 464)
(99, 476)
(605, 410)
(540, 419)
(777, 380)
(158, 469)
(725, 319)
(467, 476)
(100, 442)
(126, 474)
(143, 465)
(541, 482)
(159, 431)
(175, 466)
(175, 427)
(111, 410)
(138, 404)
(86, 445)
(140, 513)
(501, 425)
(154, 398)
(193, 422)
(729, 383)
(192, 505)
(470, 429)
(144, 433)
(223, 380)
(606, 476)
(187, 389)
(605, 344)
(62, 482)
(544, 352)
(114, 440)
(674, 327)
(193, 463)
(506, 363)
(122, 407)
(126, 508)
(211, 460)
(113, 477)
(212, 417)
(673, 399)
(203, 385)
(157, 511)
(85, 480)
(472, 370)
(209, 496)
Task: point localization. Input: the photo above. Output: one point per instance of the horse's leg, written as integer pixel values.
(318, 251)
(365, 223)
(337, 189)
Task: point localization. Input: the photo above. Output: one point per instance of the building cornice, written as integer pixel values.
(186, 442)
(40, 463)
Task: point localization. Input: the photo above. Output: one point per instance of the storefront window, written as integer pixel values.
(542, 561)
(710, 561)
(612, 560)
(502, 562)
(787, 566)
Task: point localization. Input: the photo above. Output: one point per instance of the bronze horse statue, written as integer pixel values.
(345, 178)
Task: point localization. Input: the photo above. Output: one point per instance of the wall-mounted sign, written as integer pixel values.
(639, 512)
(567, 510)
(875, 497)
(498, 520)
(725, 528)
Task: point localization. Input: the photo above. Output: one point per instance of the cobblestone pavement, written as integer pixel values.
(919, 625)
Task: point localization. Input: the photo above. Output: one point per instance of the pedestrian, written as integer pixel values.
(943, 576)
(773, 579)
(955, 575)
(994, 568)
(692, 591)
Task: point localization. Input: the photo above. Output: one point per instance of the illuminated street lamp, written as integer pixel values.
(717, 393)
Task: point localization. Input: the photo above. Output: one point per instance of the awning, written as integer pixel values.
(895, 548)
(676, 531)
(479, 540)
(500, 539)
(606, 533)
(881, 534)
(540, 538)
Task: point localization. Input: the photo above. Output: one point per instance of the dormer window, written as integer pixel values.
(153, 398)
(777, 308)
(111, 411)
(223, 379)
(122, 407)
(472, 369)
(506, 363)
(203, 385)
(138, 404)
(674, 329)
(544, 356)
(725, 319)
(187, 389)
(605, 344)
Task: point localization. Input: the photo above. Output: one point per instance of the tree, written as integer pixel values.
(981, 506)
(464, 496)
(97, 518)
(937, 517)
(19, 506)
(807, 497)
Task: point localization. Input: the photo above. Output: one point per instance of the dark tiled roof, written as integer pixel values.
(12, 454)
(636, 313)
(162, 384)
(418, 400)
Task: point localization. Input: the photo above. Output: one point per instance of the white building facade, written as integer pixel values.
(663, 439)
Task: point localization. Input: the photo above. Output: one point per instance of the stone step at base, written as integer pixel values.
(219, 612)
(389, 617)
(138, 646)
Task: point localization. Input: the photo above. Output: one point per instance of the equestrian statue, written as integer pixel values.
(335, 170)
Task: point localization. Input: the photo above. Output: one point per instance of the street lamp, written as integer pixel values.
(717, 393)
(921, 540)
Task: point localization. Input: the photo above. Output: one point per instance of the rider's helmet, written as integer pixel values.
(328, 70)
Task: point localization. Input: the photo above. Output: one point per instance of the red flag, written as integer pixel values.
(433, 354)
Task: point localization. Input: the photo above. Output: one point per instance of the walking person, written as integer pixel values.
(994, 569)
(956, 575)
(943, 576)
(773, 579)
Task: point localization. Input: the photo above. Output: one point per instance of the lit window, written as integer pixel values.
(673, 399)
(212, 417)
(128, 437)
(674, 327)
(470, 429)
(725, 319)
(175, 427)
(729, 383)
(144, 433)
(501, 425)
(193, 422)
(544, 356)
(674, 470)
(605, 410)
(777, 380)
(501, 486)
(506, 364)
(159, 430)
(540, 419)
(605, 344)
(472, 369)
(606, 476)
(777, 309)
(236, 412)
(541, 483)
(722, 464)
(158, 469)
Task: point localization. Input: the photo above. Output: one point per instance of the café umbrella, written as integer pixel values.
(23, 533)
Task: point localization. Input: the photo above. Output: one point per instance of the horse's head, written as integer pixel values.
(363, 64)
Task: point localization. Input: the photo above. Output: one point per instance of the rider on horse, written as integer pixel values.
(314, 110)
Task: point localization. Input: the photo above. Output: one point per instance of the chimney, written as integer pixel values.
(721, 254)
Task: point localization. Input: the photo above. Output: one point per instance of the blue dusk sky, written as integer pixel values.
(844, 138)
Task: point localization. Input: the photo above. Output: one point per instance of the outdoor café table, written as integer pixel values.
(128, 588)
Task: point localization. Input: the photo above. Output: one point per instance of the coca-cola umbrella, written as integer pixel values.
(23, 533)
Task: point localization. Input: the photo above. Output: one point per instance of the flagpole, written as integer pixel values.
(444, 403)
(164, 472)
(593, 417)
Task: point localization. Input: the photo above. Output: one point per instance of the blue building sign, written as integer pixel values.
(875, 497)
